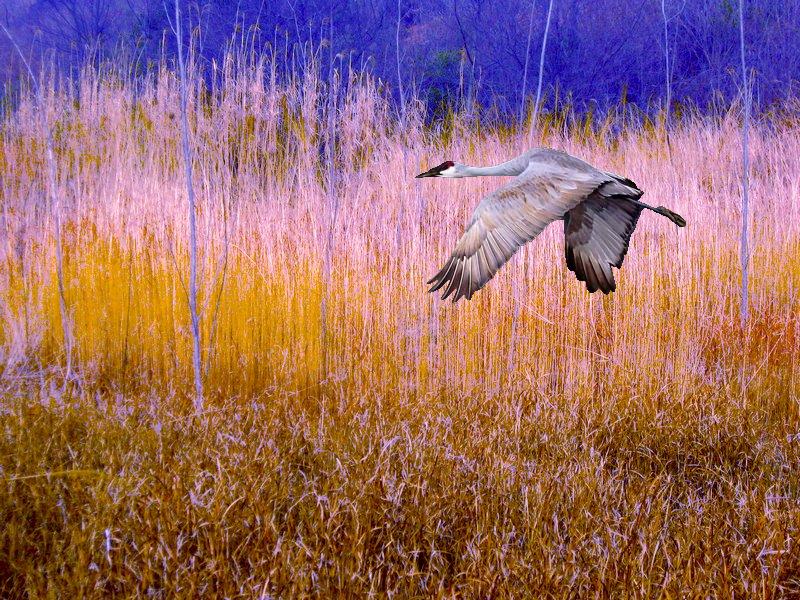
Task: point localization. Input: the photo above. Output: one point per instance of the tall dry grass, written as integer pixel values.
(640, 444)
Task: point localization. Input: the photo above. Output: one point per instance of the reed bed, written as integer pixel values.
(361, 437)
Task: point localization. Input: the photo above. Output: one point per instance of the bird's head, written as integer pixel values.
(446, 169)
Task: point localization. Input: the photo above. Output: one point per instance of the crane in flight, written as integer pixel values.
(599, 210)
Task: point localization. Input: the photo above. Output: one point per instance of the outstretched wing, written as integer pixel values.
(508, 218)
(596, 234)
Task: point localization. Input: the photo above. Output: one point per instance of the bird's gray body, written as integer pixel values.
(599, 209)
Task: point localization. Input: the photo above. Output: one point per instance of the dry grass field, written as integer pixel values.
(361, 437)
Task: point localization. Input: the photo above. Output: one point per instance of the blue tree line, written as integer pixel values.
(454, 52)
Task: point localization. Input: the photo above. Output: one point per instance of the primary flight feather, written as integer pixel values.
(599, 210)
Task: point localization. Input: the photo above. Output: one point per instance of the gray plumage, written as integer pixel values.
(599, 209)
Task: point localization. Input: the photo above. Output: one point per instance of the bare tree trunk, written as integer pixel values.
(468, 102)
(55, 201)
(666, 63)
(541, 73)
(515, 314)
(333, 206)
(525, 70)
(744, 250)
(517, 300)
(399, 78)
(668, 81)
(187, 159)
(514, 321)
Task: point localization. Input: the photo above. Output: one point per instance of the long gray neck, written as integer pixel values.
(508, 168)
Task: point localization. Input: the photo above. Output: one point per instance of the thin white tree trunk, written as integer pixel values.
(514, 322)
(399, 77)
(187, 160)
(517, 300)
(744, 249)
(333, 207)
(668, 109)
(541, 73)
(468, 105)
(666, 62)
(55, 202)
(525, 70)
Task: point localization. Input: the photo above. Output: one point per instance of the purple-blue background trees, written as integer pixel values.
(454, 51)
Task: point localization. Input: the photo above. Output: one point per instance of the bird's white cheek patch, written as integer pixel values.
(448, 172)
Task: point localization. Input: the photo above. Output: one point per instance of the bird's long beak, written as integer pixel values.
(430, 173)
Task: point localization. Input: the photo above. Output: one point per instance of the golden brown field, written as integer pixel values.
(643, 444)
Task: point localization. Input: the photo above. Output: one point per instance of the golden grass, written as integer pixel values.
(643, 444)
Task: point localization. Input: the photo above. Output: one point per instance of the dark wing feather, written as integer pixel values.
(597, 233)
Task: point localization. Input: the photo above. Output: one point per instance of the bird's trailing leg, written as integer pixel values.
(672, 216)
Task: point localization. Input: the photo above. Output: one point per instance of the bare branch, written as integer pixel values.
(66, 324)
(187, 159)
(744, 250)
(541, 73)
(525, 70)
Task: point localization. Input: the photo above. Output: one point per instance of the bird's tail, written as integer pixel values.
(672, 216)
